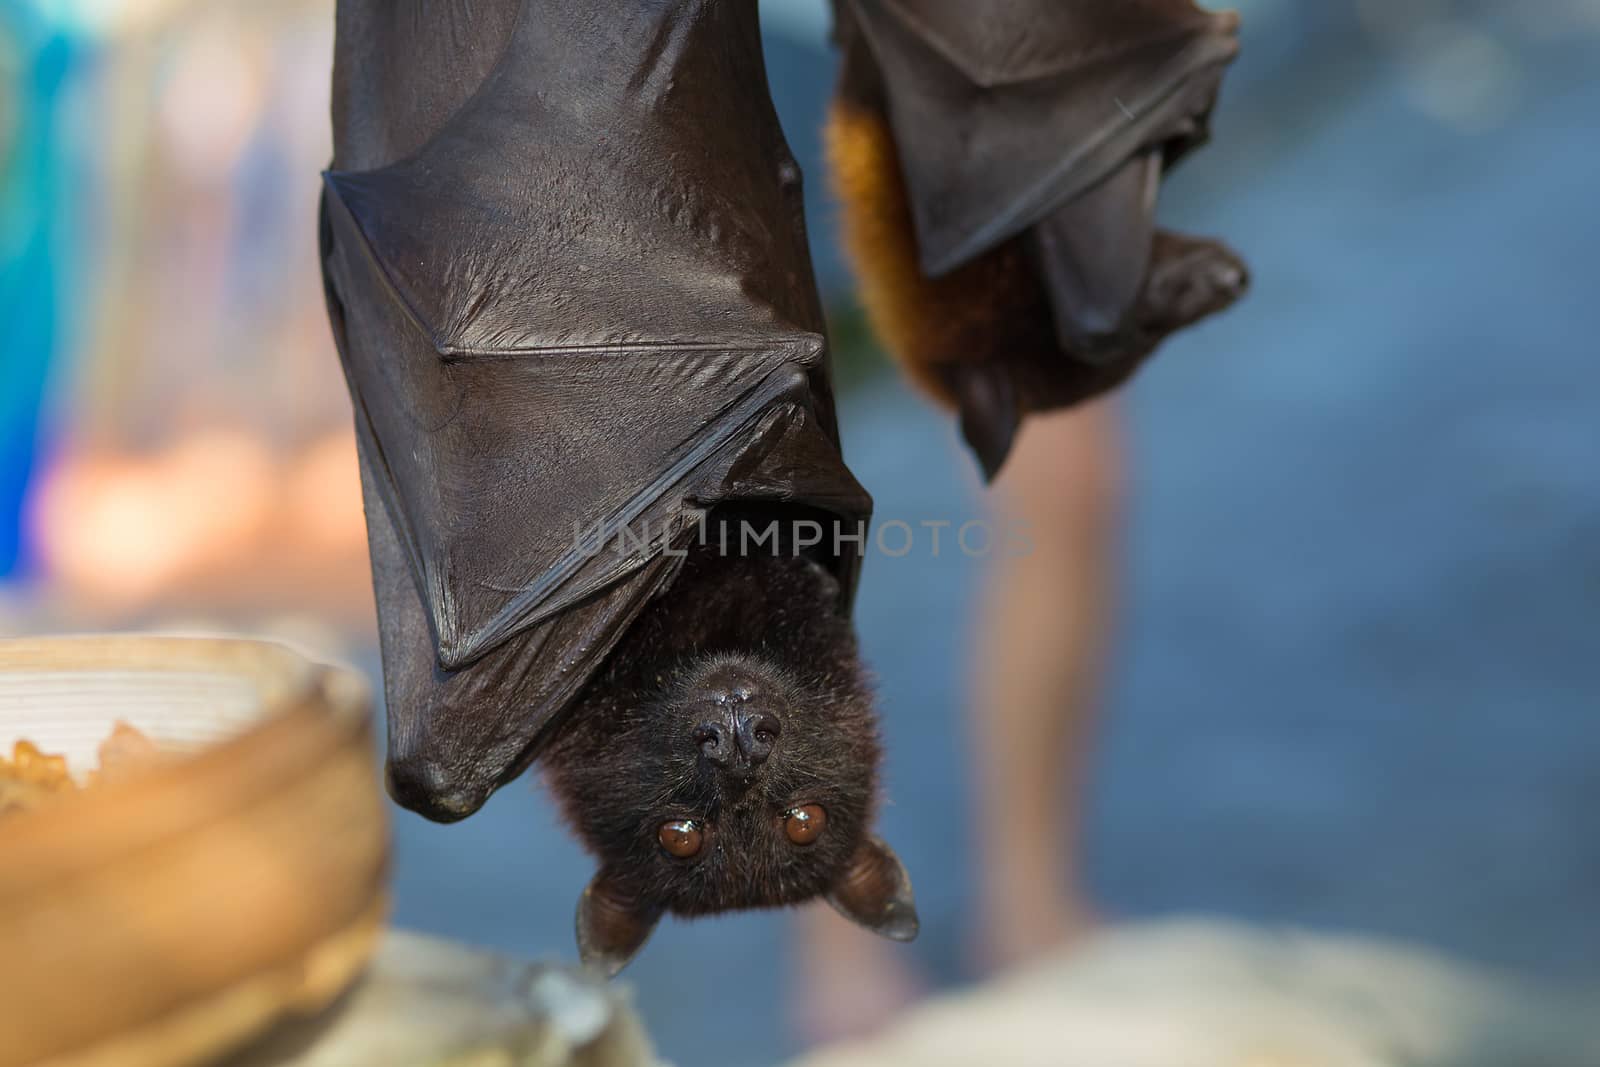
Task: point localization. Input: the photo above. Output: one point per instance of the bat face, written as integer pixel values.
(726, 759)
(733, 786)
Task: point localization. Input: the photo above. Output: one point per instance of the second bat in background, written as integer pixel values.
(999, 166)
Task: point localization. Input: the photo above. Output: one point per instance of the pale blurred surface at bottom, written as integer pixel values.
(1212, 994)
(431, 1003)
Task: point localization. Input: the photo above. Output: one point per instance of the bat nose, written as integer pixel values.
(756, 733)
(738, 741)
(1230, 278)
(715, 739)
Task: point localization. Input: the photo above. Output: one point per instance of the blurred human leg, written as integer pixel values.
(1040, 645)
(850, 981)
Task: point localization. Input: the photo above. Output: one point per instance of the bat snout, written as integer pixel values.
(738, 707)
(756, 735)
(1192, 280)
(738, 740)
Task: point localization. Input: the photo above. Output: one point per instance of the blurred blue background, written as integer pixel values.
(1357, 684)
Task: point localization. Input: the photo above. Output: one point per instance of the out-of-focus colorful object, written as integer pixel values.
(160, 916)
(204, 461)
(34, 62)
(104, 18)
(1199, 993)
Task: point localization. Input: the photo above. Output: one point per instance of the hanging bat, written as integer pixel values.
(566, 268)
(999, 165)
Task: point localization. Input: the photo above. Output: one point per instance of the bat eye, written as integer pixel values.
(681, 838)
(805, 824)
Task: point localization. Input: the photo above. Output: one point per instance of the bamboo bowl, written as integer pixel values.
(164, 919)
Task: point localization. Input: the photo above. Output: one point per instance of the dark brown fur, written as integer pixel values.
(628, 759)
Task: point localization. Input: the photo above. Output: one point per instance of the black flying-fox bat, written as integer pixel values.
(999, 165)
(566, 268)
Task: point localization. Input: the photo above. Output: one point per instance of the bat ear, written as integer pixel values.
(612, 925)
(875, 892)
(990, 413)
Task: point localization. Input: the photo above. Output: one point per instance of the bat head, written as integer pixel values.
(742, 774)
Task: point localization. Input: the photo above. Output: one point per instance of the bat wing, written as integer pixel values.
(579, 315)
(1007, 110)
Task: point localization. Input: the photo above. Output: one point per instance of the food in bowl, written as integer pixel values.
(30, 777)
